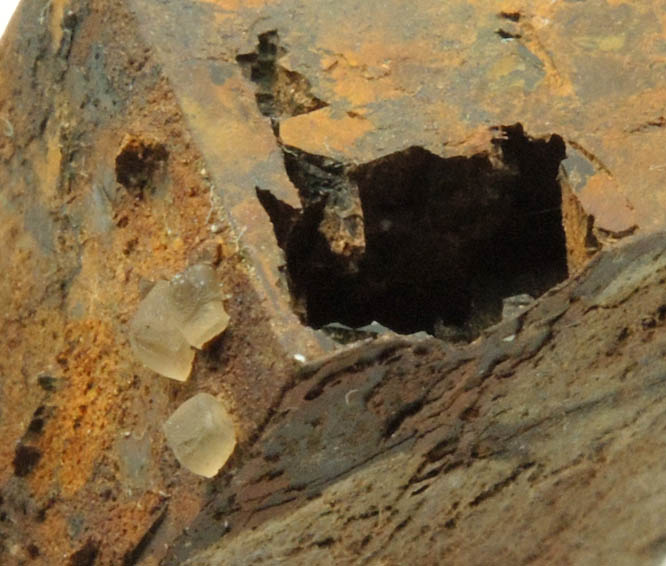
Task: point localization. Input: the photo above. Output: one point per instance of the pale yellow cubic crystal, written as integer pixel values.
(197, 299)
(155, 335)
(186, 311)
(201, 434)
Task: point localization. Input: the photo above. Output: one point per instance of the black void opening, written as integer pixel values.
(25, 459)
(139, 164)
(279, 92)
(443, 240)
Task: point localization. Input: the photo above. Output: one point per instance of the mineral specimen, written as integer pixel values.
(156, 338)
(197, 301)
(186, 311)
(201, 434)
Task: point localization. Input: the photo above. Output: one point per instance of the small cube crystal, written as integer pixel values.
(197, 299)
(201, 434)
(175, 315)
(155, 336)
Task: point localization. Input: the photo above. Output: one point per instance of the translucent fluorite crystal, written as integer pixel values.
(196, 298)
(156, 338)
(201, 434)
(175, 315)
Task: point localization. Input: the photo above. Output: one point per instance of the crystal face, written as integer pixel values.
(201, 434)
(156, 338)
(196, 298)
(175, 315)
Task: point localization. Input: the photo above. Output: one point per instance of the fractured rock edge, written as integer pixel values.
(420, 242)
(395, 450)
(71, 166)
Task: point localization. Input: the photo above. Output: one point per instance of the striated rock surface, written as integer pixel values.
(336, 166)
(540, 443)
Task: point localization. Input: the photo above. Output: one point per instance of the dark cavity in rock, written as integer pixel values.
(279, 91)
(25, 459)
(420, 242)
(86, 555)
(139, 164)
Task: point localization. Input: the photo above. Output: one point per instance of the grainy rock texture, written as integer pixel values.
(337, 163)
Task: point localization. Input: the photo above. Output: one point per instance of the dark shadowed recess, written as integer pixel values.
(445, 239)
(279, 91)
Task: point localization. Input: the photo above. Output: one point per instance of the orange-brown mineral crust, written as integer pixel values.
(408, 254)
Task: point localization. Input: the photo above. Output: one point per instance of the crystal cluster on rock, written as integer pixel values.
(201, 434)
(176, 315)
(195, 296)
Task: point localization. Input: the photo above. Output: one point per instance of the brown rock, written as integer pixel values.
(336, 163)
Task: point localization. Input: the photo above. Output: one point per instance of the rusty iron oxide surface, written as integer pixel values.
(138, 137)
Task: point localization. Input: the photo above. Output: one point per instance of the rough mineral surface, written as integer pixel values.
(411, 163)
(201, 434)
